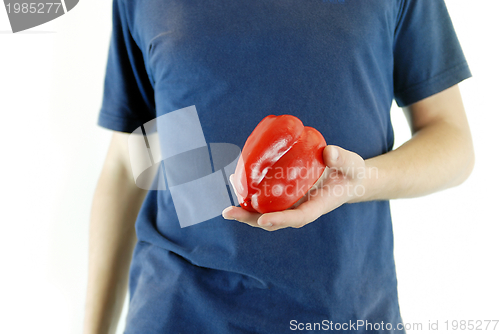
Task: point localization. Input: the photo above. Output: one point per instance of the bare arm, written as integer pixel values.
(438, 156)
(115, 206)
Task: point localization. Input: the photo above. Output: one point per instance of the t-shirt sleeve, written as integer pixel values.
(428, 57)
(128, 98)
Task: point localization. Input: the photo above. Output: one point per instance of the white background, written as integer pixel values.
(51, 80)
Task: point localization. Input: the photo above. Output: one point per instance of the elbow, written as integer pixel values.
(471, 163)
(467, 166)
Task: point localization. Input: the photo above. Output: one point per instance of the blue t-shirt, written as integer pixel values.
(337, 65)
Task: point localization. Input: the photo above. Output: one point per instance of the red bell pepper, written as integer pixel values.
(280, 162)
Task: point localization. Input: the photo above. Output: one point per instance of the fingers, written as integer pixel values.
(235, 213)
(271, 221)
(305, 213)
(250, 218)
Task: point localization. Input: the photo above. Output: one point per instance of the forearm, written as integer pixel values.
(111, 242)
(437, 157)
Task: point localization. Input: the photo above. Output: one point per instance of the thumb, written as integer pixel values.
(342, 160)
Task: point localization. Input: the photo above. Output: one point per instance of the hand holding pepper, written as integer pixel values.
(281, 145)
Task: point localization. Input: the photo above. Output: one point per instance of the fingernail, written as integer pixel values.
(265, 224)
(224, 214)
(334, 153)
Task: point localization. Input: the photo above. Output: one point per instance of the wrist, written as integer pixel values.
(368, 184)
